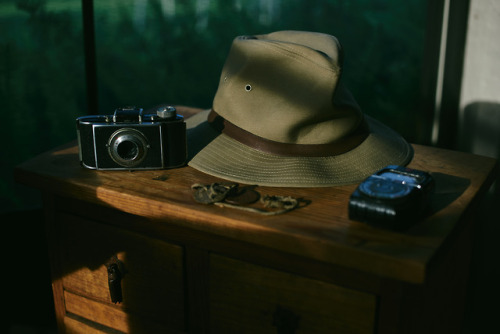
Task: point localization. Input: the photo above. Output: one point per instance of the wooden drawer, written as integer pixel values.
(152, 284)
(246, 298)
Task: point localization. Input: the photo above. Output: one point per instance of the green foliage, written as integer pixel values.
(178, 58)
(149, 54)
(41, 86)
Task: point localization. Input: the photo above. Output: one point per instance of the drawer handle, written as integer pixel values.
(285, 321)
(114, 280)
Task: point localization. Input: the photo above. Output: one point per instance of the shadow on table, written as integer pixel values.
(447, 189)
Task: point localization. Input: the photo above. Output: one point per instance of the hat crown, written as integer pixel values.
(285, 87)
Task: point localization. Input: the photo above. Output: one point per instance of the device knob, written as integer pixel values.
(166, 112)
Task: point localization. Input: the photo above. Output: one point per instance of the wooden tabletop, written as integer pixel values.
(320, 231)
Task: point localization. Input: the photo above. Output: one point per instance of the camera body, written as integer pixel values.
(129, 139)
(393, 197)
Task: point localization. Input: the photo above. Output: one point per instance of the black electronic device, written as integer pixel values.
(394, 197)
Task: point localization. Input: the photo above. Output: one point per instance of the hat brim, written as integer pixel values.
(219, 155)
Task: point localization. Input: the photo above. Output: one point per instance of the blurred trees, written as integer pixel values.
(41, 86)
(172, 51)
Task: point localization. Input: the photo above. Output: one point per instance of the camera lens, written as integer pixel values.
(127, 150)
(127, 147)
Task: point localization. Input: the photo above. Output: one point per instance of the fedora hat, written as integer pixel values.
(282, 117)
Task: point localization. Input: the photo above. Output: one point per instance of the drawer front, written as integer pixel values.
(106, 316)
(247, 298)
(152, 284)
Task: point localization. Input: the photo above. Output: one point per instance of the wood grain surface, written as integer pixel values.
(320, 231)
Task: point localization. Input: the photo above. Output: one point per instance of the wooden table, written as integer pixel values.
(189, 267)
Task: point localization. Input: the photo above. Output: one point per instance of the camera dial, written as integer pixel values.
(388, 185)
(166, 112)
(127, 147)
(383, 189)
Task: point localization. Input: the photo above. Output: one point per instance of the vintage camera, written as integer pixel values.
(129, 139)
(393, 198)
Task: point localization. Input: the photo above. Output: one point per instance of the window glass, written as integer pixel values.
(172, 51)
(42, 87)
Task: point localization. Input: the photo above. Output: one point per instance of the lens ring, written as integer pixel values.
(127, 147)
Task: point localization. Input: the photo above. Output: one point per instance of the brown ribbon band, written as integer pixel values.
(286, 149)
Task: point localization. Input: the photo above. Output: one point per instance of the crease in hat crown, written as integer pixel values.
(281, 86)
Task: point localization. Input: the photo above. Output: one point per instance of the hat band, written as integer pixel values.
(344, 145)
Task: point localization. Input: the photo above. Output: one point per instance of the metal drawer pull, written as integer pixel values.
(114, 280)
(285, 321)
